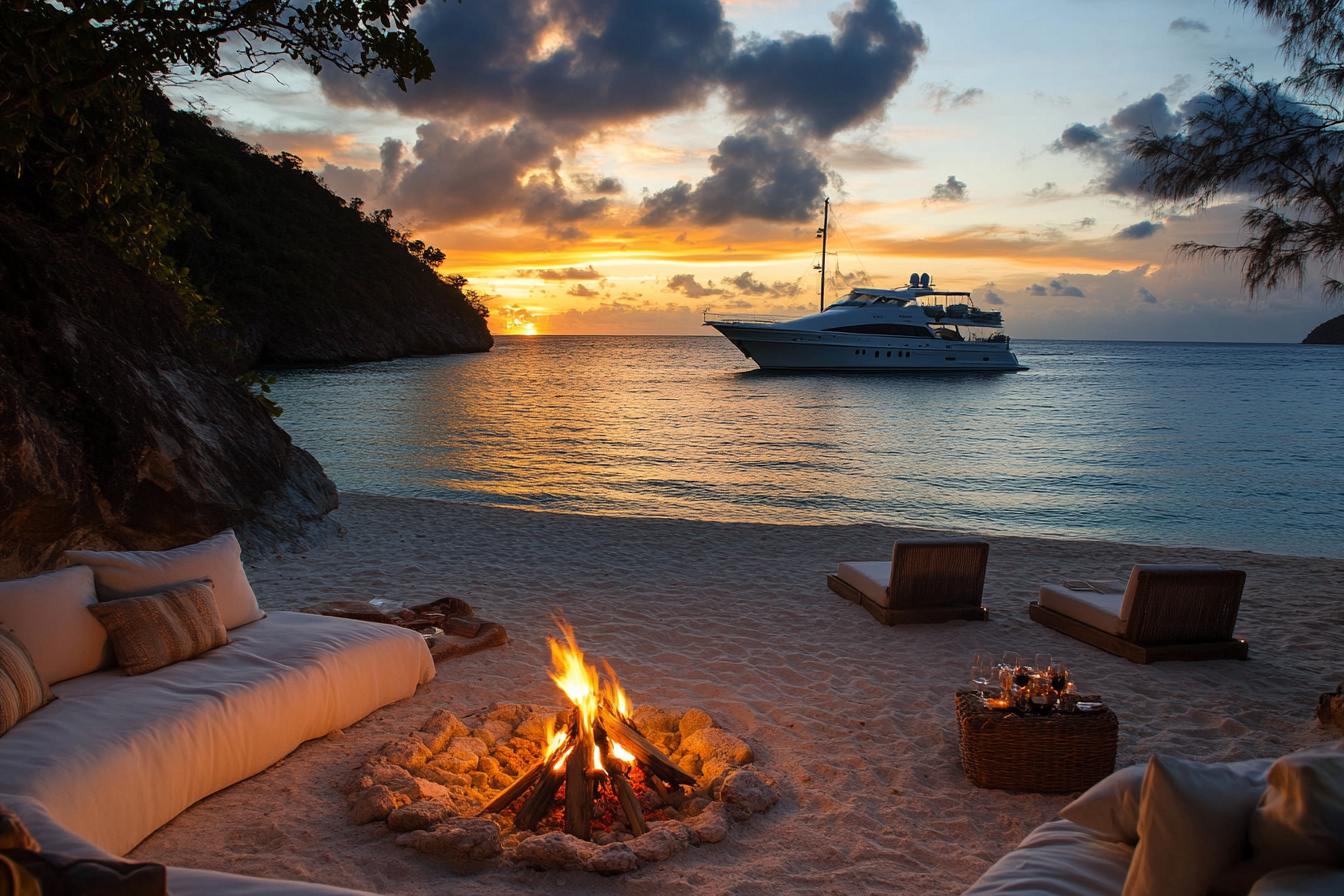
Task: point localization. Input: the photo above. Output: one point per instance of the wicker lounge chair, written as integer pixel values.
(1163, 613)
(927, 580)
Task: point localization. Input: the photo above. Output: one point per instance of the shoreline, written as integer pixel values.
(853, 719)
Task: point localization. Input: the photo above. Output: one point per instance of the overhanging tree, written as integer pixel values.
(1278, 143)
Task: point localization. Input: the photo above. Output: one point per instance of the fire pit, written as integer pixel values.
(598, 785)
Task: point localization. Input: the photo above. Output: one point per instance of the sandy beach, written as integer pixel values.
(853, 719)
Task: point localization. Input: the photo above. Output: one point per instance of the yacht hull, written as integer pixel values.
(775, 348)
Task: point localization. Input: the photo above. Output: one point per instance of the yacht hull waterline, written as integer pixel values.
(877, 330)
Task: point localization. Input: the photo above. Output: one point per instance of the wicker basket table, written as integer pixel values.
(1060, 752)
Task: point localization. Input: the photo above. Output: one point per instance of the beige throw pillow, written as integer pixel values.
(48, 614)
(22, 690)
(1300, 819)
(121, 574)
(158, 630)
(1193, 821)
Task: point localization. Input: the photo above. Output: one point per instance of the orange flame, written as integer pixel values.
(589, 692)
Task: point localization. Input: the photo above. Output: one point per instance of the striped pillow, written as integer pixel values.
(22, 690)
(158, 630)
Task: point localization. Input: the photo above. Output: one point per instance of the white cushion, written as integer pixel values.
(1301, 880)
(1193, 822)
(1300, 818)
(115, 757)
(49, 615)
(1111, 806)
(1097, 610)
(1059, 858)
(138, 573)
(869, 576)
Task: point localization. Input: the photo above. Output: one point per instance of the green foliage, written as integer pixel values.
(1281, 143)
(260, 387)
(382, 218)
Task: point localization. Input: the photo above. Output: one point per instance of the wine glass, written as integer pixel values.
(1059, 676)
(984, 669)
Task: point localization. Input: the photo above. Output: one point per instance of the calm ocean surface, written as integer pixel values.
(1205, 444)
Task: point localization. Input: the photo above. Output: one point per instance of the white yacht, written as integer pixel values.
(880, 330)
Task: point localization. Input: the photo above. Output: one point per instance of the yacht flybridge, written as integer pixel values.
(918, 328)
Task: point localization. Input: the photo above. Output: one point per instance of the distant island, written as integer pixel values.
(1329, 333)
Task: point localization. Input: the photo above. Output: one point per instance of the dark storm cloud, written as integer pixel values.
(523, 82)
(587, 273)
(764, 173)
(1185, 24)
(827, 84)
(1058, 287)
(1147, 296)
(1105, 145)
(1139, 231)
(951, 190)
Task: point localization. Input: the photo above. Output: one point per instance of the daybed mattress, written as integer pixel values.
(115, 757)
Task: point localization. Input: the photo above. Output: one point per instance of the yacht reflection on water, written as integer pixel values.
(877, 330)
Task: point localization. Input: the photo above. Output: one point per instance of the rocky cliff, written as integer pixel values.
(1329, 333)
(116, 431)
(302, 277)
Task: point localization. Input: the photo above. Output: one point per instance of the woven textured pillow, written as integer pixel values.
(22, 690)
(158, 630)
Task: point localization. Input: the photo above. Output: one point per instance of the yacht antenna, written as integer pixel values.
(821, 234)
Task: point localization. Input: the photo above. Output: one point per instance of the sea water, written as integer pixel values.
(1201, 444)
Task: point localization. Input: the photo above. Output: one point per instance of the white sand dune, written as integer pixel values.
(853, 718)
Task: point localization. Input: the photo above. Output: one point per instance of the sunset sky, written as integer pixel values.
(619, 166)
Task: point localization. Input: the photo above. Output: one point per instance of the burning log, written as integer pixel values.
(534, 808)
(579, 789)
(625, 794)
(649, 755)
(514, 790)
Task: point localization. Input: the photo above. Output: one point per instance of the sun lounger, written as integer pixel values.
(927, 580)
(1162, 613)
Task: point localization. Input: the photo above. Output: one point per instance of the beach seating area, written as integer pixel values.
(231, 763)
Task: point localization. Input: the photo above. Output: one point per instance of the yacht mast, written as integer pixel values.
(821, 232)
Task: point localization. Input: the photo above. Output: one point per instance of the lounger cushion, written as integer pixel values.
(22, 689)
(1131, 590)
(49, 614)
(870, 577)
(1301, 880)
(137, 573)
(115, 757)
(1097, 610)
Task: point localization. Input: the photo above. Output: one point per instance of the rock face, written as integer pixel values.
(1329, 333)
(302, 277)
(116, 431)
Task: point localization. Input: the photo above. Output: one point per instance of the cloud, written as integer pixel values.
(1147, 296)
(1047, 192)
(523, 84)
(1059, 287)
(943, 97)
(952, 190)
(746, 283)
(991, 296)
(764, 173)
(685, 283)
(827, 84)
(1187, 25)
(1139, 231)
(581, 291)
(1084, 223)
(587, 273)
(1105, 145)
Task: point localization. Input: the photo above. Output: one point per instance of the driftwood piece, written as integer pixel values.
(624, 734)
(446, 647)
(514, 790)
(625, 794)
(459, 626)
(579, 789)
